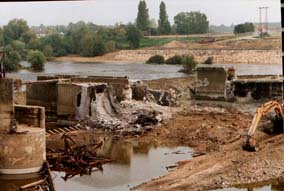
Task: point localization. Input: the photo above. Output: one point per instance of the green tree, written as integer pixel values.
(17, 29)
(191, 23)
(57, 42)
(47, 51)
(37, 59)
(142, 21)
(20, 47)
(164, 26)
(93, 45)
(12, 60)
(1, 37)
(244, 28)
(133, 36)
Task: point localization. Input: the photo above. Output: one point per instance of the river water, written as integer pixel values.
(133, 164)
(137, 71)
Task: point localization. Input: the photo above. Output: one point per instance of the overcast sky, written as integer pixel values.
(108, 12)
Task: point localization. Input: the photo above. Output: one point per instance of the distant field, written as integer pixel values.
(194, 35)
(150, 41)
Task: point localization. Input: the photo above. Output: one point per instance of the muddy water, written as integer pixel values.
(133, 71)
(137, 71)
(134, 164)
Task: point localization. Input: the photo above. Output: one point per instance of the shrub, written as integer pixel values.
(110, 46)
(12, 61)
(208, 61)
(175, 60)
(189, 63)
(37, 59)
(156, 59)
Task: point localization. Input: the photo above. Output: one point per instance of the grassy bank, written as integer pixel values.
(149, 42)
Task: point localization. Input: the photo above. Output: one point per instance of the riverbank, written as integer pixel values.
(243, 51)
(107, 58)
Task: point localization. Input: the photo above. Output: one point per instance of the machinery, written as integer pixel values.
(250, 143)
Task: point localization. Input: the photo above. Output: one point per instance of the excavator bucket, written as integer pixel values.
(250, 145)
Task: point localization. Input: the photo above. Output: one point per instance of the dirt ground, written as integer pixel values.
(215, 131)
(218, 135)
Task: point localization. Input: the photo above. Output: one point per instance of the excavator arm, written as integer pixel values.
(249, 143)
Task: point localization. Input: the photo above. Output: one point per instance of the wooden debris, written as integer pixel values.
(75, 159)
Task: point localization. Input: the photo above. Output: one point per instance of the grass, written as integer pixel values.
(149, 42)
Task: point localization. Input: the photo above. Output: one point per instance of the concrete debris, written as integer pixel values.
(135, 117)
(215, 110)
(141, 92)
(219, 83)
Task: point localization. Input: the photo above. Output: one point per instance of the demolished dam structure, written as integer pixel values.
(111, 103)
(219, 83)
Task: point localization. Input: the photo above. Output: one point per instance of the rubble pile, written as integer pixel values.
(128, 116)
(134, 117)
(141, 91)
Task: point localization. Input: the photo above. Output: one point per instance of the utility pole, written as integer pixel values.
(260, 21)
(266, 19)
(263, 27)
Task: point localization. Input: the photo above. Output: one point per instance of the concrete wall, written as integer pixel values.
(44, 94)
(68, 96)
(30, 115)
(6, 103)
(120, 84)
(211, 82)
(258, 89)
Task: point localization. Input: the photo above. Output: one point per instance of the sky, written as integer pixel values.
(109, 12)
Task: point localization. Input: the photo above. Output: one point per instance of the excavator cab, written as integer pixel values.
(250, 144)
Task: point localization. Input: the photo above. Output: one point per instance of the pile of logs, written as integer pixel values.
(75, 159)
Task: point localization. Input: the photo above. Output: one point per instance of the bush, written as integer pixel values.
(12, 61)
(189, 63)
(37, 59)
(175, 60)
(110, 46)
(156, 59)
(208, 61)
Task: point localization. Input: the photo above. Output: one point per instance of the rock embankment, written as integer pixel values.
(220, 56)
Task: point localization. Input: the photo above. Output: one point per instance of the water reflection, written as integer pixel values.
(134, 164)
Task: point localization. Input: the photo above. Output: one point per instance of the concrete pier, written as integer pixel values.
(23, 150)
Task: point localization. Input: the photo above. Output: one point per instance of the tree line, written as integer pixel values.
(87, 39)
(184, 22)
(41, 43)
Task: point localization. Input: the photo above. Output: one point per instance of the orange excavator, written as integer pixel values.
(250, 143)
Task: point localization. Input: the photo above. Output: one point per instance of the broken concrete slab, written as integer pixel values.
(210, 83)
